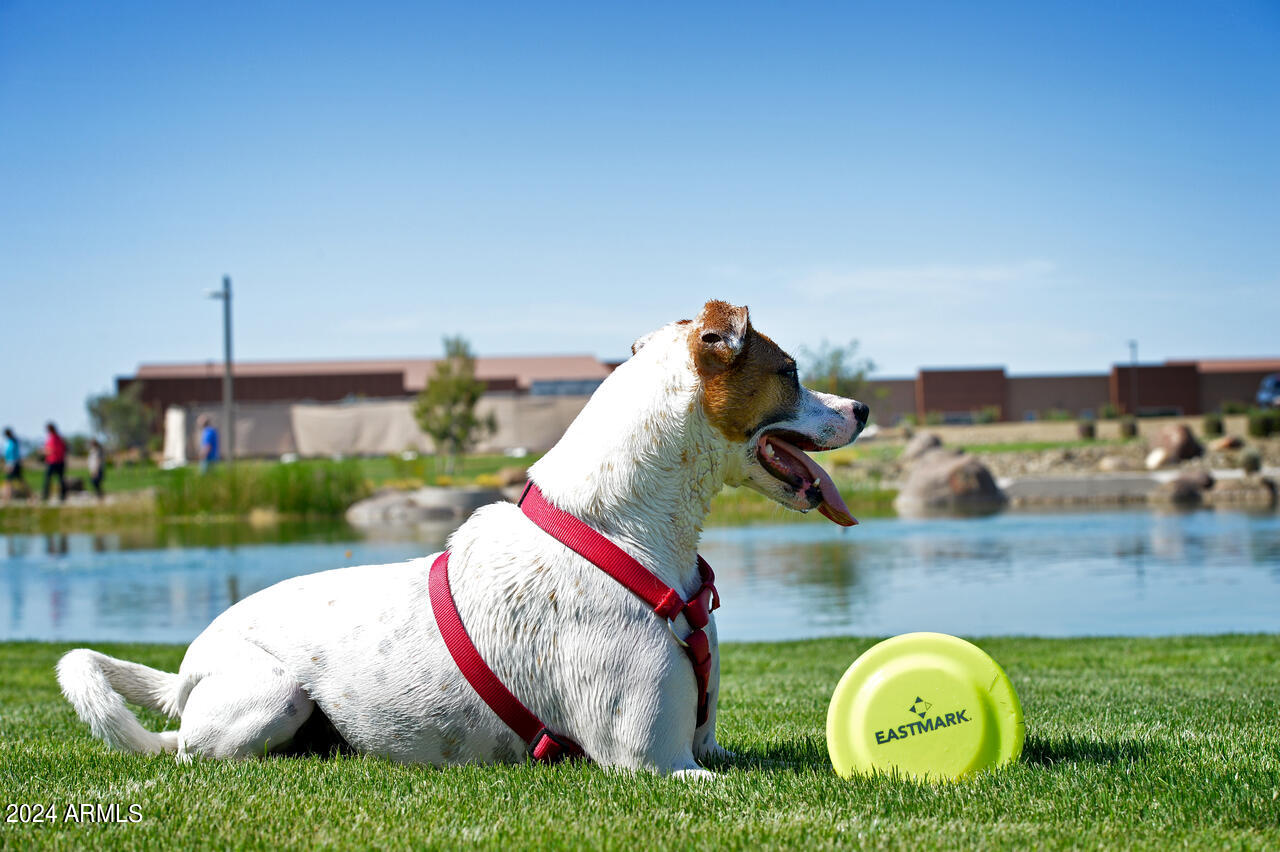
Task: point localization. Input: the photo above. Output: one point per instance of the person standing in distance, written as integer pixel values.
(55, 462)
(97, 466)
(12, 463)
(208, 442)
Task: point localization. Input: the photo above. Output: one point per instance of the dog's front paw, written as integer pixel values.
(698, 774)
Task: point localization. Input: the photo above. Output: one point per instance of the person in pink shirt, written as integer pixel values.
(55, 462)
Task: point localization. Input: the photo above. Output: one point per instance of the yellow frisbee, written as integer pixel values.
(924, 704)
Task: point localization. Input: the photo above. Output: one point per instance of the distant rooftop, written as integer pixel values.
(524, 369)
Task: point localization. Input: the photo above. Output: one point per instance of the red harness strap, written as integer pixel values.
(543, 744)
(619, 565)
(607, 556)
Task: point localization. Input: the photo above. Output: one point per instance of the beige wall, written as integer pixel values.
(377, 427)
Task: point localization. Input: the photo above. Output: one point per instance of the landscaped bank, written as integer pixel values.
(1131, 743)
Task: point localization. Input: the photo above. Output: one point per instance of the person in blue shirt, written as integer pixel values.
(12, 462)
(208, 442)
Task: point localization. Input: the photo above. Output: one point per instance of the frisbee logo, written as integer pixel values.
(921, 708)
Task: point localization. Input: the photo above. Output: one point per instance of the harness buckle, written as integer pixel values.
(671, 628)
(547, 747)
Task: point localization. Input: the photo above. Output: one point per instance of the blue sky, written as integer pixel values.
(1026, 184)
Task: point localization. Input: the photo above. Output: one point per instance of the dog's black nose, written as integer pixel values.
(862, 412)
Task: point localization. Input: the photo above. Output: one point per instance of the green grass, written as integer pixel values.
(1131, 743)
(123, 478)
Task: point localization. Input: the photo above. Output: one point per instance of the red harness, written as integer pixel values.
(608, 557)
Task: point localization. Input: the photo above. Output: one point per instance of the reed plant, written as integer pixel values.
(301, 489)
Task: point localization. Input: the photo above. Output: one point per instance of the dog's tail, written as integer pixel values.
(98, 686)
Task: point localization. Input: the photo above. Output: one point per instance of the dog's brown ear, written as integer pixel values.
(717, 336)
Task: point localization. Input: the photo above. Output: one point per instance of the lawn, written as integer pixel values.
(1131, 743)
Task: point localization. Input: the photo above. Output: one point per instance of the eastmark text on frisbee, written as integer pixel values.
(911, 729)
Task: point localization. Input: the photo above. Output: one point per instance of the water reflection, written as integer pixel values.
(1130, 573)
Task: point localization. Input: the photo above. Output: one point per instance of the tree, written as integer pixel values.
(121, 418)
(836, 369)
(446, 407)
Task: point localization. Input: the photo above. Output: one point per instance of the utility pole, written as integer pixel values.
(1133, 377)
(228, 396)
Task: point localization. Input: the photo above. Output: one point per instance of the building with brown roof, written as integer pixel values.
(1178, 387)
(364, 406)
(284, 406)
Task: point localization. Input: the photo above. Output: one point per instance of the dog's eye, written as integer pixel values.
(710, 337)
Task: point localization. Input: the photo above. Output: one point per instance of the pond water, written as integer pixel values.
(1063, 574)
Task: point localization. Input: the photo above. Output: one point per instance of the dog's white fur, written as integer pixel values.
(640, 464)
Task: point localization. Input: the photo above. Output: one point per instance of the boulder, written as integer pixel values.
(941, 482)
(1112, 464)
(1227, 442)
(408, 508)
(1177, 440)
(1158, 458)
(511, 476)
(1248, 492)
(1186, 491)
(922, 443)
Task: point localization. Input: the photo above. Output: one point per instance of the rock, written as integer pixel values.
(1202, 479)
(1227, 442)
(1112, 464)
(1249, 492)
(512, 476)
(1186, 491)
(1158, 458)
(460, 501)
(1177, 440)
(407, 508)
(944, 482)
(922, 443)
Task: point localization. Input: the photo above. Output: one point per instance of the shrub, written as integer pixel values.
(1129, 427)
(1057, 414)
(1234, 407)
(1261, 423)
(1251, 460)
(1109, 411)
(408, 465)
(1212, 425)
(987, 414)
(933, 418)
(1087, 430)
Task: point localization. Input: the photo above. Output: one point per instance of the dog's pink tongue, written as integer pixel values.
(833, 505)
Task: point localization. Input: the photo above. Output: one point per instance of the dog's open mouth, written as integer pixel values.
(784, 459)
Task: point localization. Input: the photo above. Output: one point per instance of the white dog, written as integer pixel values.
(701, 404)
